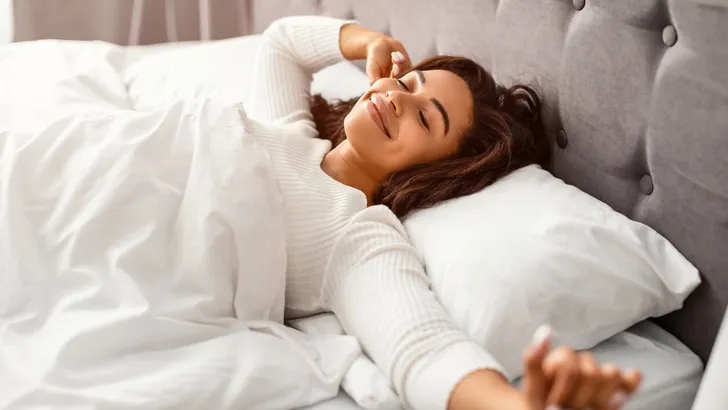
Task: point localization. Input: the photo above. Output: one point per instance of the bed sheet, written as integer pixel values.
(672, 373)
(51, 81)
(110, 329)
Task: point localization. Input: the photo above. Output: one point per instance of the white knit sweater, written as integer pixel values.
(342, 256)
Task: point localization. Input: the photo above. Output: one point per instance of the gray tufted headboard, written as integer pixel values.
(637, 95)
(637, 92)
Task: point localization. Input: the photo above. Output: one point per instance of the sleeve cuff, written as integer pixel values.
(433, 378)
(312, 40)
(330, 53)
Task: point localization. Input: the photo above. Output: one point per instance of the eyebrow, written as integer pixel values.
(438, 105)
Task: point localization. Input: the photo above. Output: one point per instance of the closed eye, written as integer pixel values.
(424, 121)
(422, 115)
(403, 85)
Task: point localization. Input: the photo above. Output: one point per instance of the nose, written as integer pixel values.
(391, 97)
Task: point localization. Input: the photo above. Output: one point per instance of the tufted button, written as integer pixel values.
(562, 140)
(579, 4)
(646, 185)
(669, 35)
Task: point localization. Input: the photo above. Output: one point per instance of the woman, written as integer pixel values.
(415, 138)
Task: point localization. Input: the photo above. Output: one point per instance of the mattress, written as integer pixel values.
(671, 372)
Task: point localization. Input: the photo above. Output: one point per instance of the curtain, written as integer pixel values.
(131, 22)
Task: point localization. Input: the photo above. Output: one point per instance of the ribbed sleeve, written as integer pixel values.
(376, 285)
(291, 51)
(317, 207)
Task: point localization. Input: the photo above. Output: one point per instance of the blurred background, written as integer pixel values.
(134, 22)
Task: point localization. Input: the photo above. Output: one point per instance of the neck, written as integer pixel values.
(345, 166)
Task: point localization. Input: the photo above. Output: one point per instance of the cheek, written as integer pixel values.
(357, 125)
(415, 146)
(412, 147)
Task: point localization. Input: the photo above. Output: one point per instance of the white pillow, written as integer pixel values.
(530, 250)
(219, 70)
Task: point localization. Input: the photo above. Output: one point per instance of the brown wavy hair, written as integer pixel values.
(507, 133)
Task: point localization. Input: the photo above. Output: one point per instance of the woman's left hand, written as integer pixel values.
(564, 379)
(386, 57)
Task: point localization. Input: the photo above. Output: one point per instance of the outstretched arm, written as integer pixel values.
(376, 285)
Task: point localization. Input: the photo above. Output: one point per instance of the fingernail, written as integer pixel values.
(543, 332)
(554, 407)
(397, 57)
(618, 399)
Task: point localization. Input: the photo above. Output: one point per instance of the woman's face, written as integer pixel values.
(416, 119)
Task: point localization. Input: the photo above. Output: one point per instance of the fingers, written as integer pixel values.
(618, 399)
(386, 57)
(578, 382)
(400, 63)
(627, 384)
(562, 365)
(374, 70)
(536, 384)
(392, 66)
(564, 379)
(590, 381)
(611, 381)
(406, 61)
(631, 381)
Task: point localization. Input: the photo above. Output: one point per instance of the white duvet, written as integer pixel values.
(142, 254)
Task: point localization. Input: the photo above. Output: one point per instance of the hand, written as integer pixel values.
(386, 57)
(564, 379)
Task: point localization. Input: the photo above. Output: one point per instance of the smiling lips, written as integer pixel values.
(378, 112)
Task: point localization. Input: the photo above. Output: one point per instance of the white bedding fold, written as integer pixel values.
(143, 266)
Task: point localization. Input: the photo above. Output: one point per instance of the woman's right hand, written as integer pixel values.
(564, 379)
(386, 57)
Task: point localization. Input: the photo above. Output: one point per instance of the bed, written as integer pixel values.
(632, 87)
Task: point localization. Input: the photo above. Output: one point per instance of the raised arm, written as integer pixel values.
(295, 48)
(291, 51)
